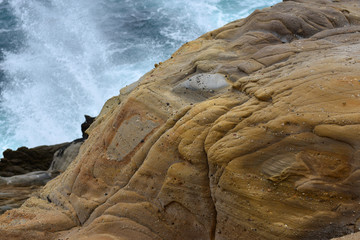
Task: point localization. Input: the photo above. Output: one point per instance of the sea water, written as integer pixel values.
(61, 59)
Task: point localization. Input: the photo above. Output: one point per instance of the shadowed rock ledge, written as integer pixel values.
(249, 132)
(25, 160)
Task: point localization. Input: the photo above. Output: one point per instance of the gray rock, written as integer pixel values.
(64, 156)
(205, 82)
(61, 160)
(28, 179)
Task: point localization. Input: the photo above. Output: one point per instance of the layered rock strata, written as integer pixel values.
(13, 197)
(249, 132)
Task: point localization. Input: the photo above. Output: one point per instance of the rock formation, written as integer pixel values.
(16, 189)
(249, 132)
(85, 125)
(64, 156)
(25, 160)
(353, 236)
(23, 171)
(13, 197)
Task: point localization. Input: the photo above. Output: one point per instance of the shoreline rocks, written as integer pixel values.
(273, 155)
(24, 171)
(25, 160)
(13, 197)
(64, 156)
(16, 189)
(61, 160)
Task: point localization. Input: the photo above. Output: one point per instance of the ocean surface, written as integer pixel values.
(61, 59)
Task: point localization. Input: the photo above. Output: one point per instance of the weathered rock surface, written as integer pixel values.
(37, 178)
(16, 189)
(25, 160)
(353, 236)
(60, 161)
(64, 156)
(264, 146)
(12, 196)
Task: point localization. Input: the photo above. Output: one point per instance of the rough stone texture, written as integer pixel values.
(25, 160)
(273, 156)
(12, 197)
(353, 236)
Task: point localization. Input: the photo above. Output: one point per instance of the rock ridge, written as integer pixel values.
(248, 132)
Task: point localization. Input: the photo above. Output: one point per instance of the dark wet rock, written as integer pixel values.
(85, 125)
(15, 189)
(25, 160)
(61, 160)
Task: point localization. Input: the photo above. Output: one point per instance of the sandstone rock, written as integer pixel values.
(12, 197)
(19, 175)
(275, 155)
(353, 236)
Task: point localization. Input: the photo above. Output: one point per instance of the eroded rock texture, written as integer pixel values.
(249, 132)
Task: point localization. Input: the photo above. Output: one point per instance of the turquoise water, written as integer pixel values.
(61, 59)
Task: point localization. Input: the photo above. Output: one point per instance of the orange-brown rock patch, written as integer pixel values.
(272, 154)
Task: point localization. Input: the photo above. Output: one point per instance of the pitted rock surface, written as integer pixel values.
(273, 155)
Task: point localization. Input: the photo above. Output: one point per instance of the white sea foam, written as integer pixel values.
(79, 53)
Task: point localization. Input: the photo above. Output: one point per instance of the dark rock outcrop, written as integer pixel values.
(25, 160)
(24, 171)
(14, 190)
(85, 125)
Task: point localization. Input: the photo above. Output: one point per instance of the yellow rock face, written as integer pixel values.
(251, 131)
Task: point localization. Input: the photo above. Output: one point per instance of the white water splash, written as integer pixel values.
(79, 53)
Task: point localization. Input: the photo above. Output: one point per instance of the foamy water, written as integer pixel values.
(61, 59)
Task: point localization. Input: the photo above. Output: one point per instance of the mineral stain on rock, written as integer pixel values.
(130, 134)
(258, 145)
